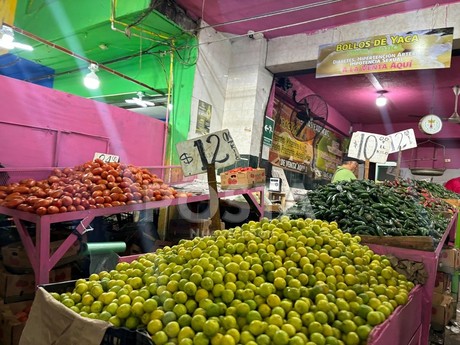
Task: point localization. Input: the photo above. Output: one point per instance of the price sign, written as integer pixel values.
(403, 140)
(369, 146)
(106, 157)
(217, 148)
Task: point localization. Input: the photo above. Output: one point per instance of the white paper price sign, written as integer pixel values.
(369, 146)
(106, 157)
(403, 140)
(217, 148)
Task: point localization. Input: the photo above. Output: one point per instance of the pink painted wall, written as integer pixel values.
(449, 137)
(42, 127)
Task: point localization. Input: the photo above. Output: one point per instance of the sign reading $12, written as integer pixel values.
(216, 148)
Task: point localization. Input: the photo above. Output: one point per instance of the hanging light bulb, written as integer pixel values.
(381, 100)
(91, 80)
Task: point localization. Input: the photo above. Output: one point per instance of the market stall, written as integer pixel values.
(280, 298)
(430, 259)
(405, 219)
(42, 262)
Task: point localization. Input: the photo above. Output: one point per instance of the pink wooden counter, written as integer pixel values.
(404, 326)
(39, 253)
(430, 260)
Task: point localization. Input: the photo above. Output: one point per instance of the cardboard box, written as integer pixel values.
(13, 318)
(442, 310)
(453, 202)
(236, 180)
(15, 258)
(61, 274)
(21, 287)
(184, 229)
(181, 228)
(443, 282)
(242, 179)
(259, 177)
(276, 208)
(449, 260)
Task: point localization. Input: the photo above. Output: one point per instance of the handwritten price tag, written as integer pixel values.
(216, 148)
(106, 157)
(369, 146)
(403, 140)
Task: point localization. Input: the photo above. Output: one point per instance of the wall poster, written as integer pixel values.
(203, 119)
(319, 156)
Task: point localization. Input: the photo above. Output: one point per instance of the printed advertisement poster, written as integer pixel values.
(299, 156)
(203, 120)
(328, 153)
(414, 50)
(287, 152)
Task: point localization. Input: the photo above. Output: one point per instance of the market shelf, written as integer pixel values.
(430, 260)
(38, 253)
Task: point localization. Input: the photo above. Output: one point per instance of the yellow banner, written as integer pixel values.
(7, 11)
(424, 49)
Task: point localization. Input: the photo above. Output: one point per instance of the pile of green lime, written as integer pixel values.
(281, 282)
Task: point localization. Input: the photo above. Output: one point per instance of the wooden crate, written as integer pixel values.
(424, 243)
(453, 202)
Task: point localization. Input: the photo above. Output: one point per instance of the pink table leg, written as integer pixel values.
(27, 242)
(70, 240)
(43, 262)
(42, 274)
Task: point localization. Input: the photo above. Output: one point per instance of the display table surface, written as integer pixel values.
(39, 253)
(430, 260)
(404, 326)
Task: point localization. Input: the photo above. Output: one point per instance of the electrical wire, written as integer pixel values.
(188, 50)
(108, 62)
(144, 14)
(78, 56)
(170, 42)
(162, 64)
(271, 14)
(202, 8)
(232, 37)
(113, 21)
(12, 63)
(169, 117)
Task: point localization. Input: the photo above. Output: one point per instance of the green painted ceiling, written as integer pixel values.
(84, 28)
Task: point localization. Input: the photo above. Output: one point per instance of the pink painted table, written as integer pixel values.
(404, 326)
(39, 253)
(430, 260)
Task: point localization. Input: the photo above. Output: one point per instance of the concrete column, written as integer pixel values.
(210, 84)
(248, 89)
